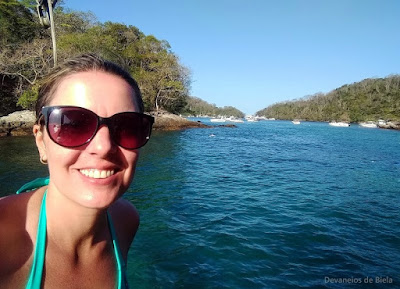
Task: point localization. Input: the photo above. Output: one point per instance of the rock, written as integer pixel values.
(21, 123)
(17, 123)
(389, 125)
(227, 125)
(394, 124)
(169, 121)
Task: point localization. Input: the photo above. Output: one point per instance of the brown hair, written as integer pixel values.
(82, 63)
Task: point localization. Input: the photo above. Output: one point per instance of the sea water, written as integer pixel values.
(267, 204)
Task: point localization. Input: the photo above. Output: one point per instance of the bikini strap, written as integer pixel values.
(121, 266)
(32, 185)
(35, 276)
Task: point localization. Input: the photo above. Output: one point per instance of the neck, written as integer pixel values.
(73, 227)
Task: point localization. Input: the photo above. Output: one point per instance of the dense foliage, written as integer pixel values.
(26, 55)
(198, 107)
(370, 99)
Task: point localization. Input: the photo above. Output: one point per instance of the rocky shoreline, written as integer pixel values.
(17, 123)
(167, 122)
(20, 123)
(389, 125)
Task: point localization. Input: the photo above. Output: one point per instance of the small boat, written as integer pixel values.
(382, 122)
(218, 120)
(260, 117)
(251, 118)
(340, 123)
(295, 121)
(237, 120)
(368, 124)
(234, 119)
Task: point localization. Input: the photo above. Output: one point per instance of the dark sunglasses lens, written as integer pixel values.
(71, 127)
(131, 131)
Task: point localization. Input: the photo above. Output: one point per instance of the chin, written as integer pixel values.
(98, 200)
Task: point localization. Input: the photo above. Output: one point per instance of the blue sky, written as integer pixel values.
(252, 53)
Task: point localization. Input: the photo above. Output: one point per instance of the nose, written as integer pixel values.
(101, 144)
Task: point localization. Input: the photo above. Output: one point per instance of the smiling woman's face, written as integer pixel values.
(95, 174)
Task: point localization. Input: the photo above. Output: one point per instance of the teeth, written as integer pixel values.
(97, 174)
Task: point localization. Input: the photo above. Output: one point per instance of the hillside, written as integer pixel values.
(370, 99)
(26, 55)
(199, 107)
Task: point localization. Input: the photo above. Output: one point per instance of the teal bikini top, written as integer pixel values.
(35, 276)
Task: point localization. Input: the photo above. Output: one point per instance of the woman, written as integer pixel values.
(73, 230)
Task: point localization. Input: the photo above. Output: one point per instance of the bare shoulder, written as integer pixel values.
(15, 242)
(12, 213)
(126, 221)
(123, 210)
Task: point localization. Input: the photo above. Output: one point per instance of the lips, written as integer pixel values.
(97, 174)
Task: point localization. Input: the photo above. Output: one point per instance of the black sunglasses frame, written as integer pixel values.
(47, 110)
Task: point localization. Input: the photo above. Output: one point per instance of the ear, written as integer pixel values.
(38, 133)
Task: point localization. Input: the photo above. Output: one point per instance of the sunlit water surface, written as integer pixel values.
(264, 205)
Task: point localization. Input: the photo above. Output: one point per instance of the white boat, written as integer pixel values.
(234, 119)
(295, 121)
(251, 118)
(260, 117)
(237, 120)
(382, 122)
(340, 123)
(368, 124)
(218, 120)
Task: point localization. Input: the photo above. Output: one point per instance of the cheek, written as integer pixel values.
(59, 157)
(57, 152)
(131, 161)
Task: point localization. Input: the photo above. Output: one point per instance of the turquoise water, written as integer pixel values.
(264, 205)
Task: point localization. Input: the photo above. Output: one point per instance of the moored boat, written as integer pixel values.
(368, 124)
(218, 120)
(234, 119)
(251, 118)
(339, 123)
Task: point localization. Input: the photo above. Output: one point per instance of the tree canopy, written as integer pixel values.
(198, 107)
(367, 100)
(26, 55)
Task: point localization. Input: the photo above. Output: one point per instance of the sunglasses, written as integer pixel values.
(72, 126)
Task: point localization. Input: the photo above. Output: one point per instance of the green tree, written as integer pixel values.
(26, 54)
(198, 107)
(17, 23)
(19, 46)
(369, 99)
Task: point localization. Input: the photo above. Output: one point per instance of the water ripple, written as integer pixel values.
(265, 205)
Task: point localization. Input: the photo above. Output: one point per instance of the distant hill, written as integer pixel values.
(369, 99)
(198, 107)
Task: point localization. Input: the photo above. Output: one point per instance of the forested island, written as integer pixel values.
(368, 100)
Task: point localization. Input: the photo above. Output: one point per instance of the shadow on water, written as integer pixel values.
(155, 192)
(19, 163)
